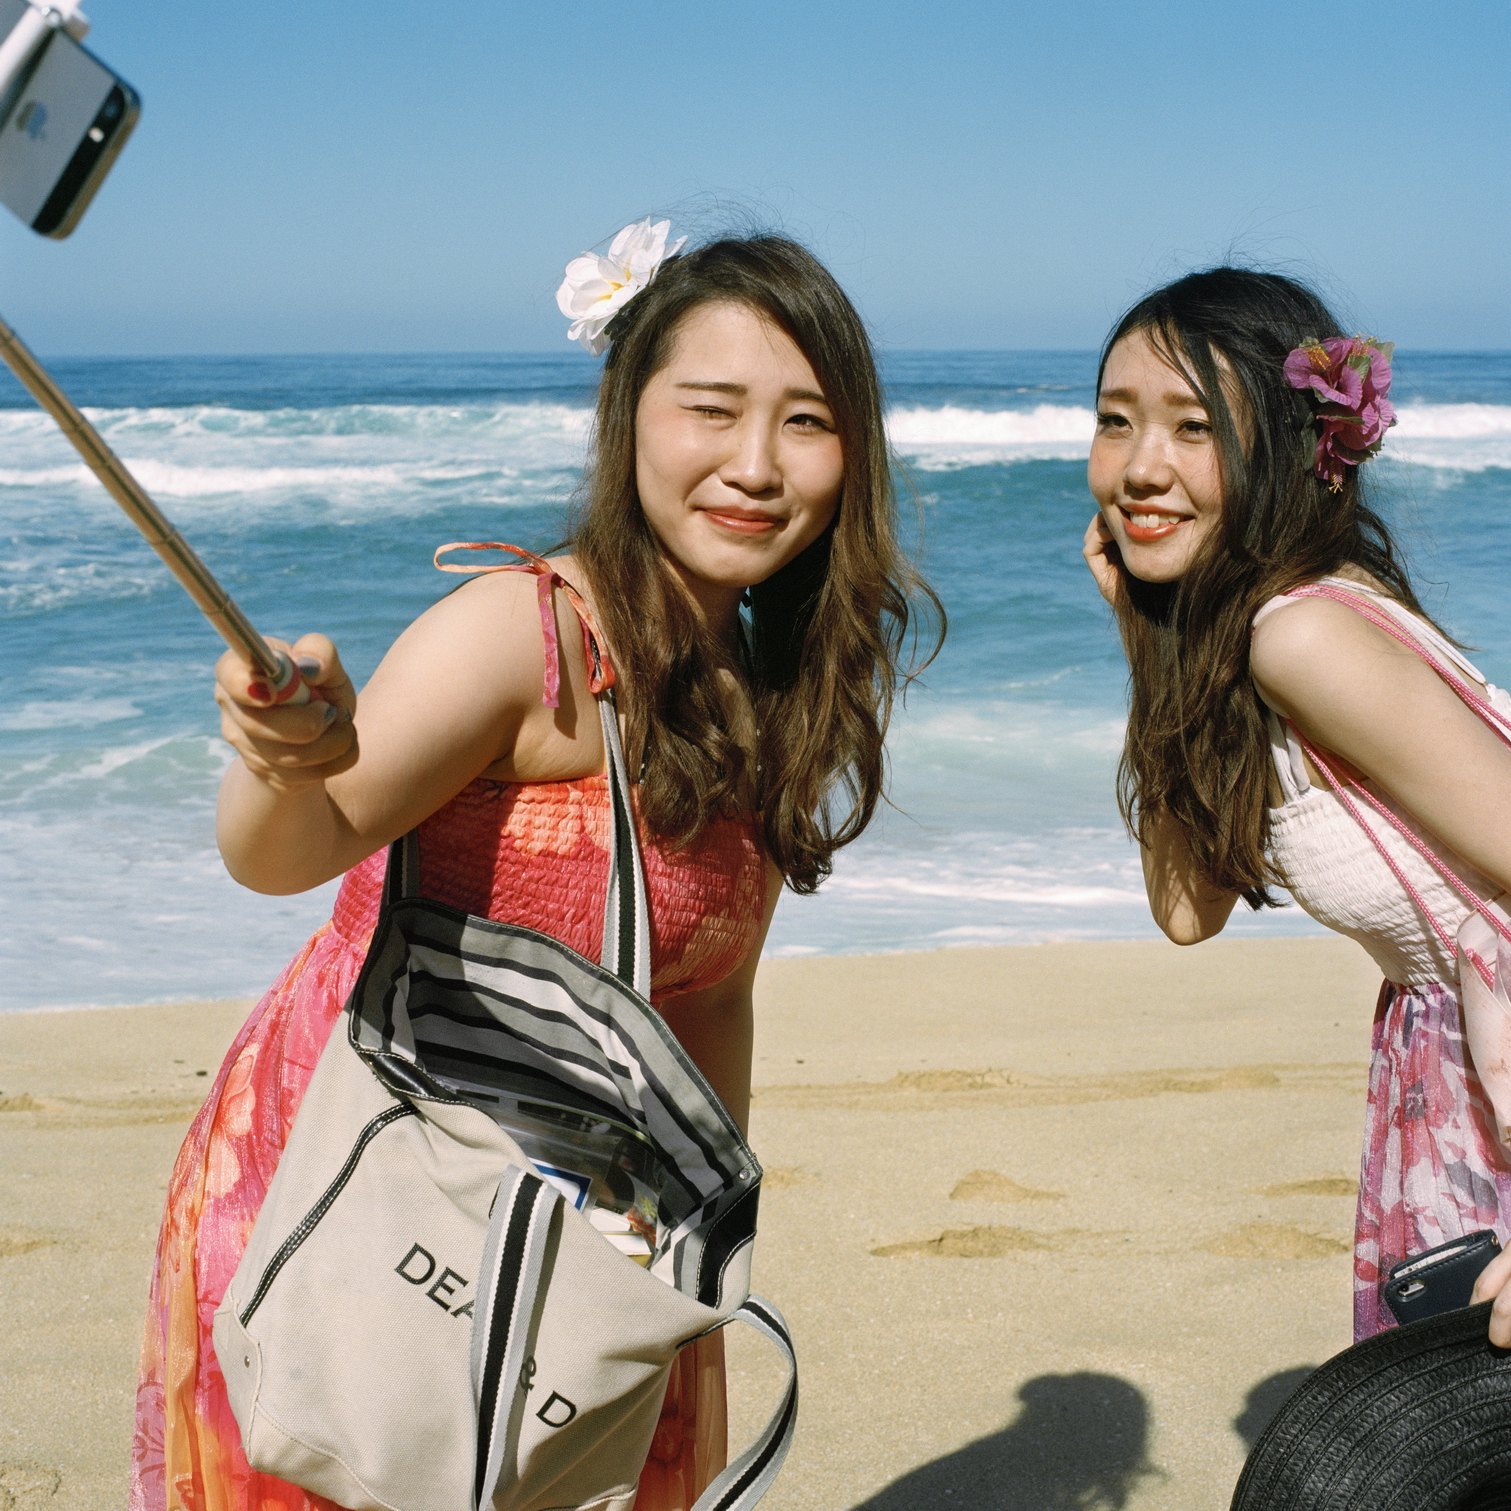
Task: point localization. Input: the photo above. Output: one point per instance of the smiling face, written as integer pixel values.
(1154, 465)
(737, 460)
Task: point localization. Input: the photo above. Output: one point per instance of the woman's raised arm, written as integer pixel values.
(315, 793)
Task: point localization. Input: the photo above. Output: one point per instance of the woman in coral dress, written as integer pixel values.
(739, 457)
(1297, 720)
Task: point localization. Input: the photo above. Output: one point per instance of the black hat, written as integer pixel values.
(1417, 1418)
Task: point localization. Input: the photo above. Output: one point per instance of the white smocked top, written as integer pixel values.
(1332, 868)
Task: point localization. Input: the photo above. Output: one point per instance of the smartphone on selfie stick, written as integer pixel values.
(64, 117)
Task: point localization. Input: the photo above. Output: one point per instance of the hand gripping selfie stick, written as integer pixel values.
(214, 602)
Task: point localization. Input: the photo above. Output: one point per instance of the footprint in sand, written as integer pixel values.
(965, 1243)
(15, 1241)
(27, 1487)
(22, 1103)
(1327, 1185)
(1274, 1240)
(992, 1185)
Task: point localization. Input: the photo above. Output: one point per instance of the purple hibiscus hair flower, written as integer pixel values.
(1347, 379)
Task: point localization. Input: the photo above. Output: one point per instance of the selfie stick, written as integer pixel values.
(214, 602)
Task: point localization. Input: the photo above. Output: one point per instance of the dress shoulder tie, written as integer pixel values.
(600, 668)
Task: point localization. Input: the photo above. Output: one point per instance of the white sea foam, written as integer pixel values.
(336, 421)
(949, 437)
(399, 458)
(67, 712)
(1053, 423)
(1461, 437)
(388, 457)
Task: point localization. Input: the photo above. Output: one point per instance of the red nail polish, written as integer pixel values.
(260, 691)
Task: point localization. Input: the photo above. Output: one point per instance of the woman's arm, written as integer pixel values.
(460, 691)
(1355, 692)
(1183, 903)
(716, 1026)
(1187, 907)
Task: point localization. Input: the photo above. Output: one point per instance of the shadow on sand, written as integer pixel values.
(1264, 1400)
(1080, 1443)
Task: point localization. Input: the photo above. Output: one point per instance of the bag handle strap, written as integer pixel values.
(519, 1233)
(626, 919)
(1345, 789)
(750, 1476)
(626, 948)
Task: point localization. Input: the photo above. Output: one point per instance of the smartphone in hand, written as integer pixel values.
(68, 119)
(1441, 1279)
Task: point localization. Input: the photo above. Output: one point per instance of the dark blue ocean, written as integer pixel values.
(316, 487)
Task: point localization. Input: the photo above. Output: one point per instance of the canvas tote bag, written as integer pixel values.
(1482, 943)
(421, 1320)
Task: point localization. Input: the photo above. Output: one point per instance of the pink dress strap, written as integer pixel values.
(600, 669)
(1346, 789)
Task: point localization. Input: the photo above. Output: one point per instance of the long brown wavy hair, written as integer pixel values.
(1197, 745)
(825, 633)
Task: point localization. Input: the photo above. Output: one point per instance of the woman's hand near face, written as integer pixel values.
(1101, 553)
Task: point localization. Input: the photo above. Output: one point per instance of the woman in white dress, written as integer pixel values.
(1296, 720)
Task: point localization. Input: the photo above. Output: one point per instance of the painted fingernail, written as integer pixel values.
(309, 667)
(259, 691)
(331, 710)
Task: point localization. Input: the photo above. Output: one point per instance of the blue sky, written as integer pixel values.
(403, 176)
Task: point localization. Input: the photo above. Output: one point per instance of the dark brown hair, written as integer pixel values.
(1197, 746)
(826, 631)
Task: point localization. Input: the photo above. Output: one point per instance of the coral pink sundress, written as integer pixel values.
(533, 854)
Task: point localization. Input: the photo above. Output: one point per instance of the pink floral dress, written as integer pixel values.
(1432, 1167)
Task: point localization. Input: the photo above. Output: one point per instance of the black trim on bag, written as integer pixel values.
(510, 1271)
(624, 842)
(409, 1079)
(321, 1207)
(728, 1234)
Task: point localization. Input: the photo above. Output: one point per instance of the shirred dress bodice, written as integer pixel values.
(535, 854)
(1332, 868)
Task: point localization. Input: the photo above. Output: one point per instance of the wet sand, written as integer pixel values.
(1054, 1225)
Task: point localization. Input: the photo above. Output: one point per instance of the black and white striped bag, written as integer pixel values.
(421, 1322)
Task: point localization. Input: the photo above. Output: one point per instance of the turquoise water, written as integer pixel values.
(316, 487)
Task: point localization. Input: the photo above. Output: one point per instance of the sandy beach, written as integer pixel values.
(1055, 1226)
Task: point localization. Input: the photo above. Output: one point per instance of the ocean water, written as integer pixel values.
(316, 487)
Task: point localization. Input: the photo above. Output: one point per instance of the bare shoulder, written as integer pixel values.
(480, 642)
(481, 615)
(1314, 648)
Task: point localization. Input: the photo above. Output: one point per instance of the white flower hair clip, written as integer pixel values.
(597, 288)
